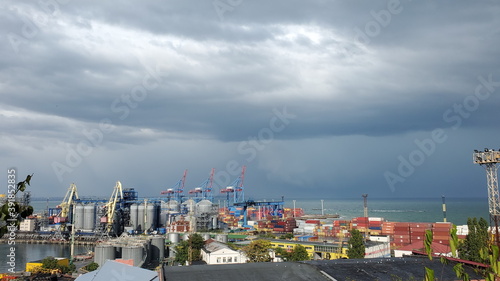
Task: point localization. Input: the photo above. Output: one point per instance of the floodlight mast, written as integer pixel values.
(489, 158)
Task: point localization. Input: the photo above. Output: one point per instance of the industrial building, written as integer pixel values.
(331, 251)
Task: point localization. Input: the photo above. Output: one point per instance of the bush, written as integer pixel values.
(91, 266)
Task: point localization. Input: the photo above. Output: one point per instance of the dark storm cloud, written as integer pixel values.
(194, 78)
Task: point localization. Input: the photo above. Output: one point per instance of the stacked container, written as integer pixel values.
(441, 232)
(401, 236)
(417, 231)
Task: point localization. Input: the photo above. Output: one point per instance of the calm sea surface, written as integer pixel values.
(407, 210)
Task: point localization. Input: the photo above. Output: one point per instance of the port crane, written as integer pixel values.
(236, 188)
(116, 196)
(205, 189)
(177, 189)
(62, 217)
(70, 197)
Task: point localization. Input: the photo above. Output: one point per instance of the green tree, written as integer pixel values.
(49, 263)
(287, 236)
(356, 248)
(181, 252)
(91, 266)
(12, 212)
(258, 251)
(299, 253)
(189, 250)
(476, 240)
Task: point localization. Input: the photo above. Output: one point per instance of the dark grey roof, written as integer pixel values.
(411, 268)
(249, 271)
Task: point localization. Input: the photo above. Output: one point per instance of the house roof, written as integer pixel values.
(419, 246)
(214, 246)
(342, 269)
(112, 270)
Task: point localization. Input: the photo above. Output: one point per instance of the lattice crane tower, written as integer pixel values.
(489, 159)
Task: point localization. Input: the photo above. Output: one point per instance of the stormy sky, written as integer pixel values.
(316, 98)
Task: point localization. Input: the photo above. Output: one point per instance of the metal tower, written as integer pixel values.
(489, 159)
(365, 209)
(177, 189)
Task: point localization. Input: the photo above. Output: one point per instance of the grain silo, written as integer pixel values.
(133, 216)
(173, 237)
(89, 217)
(104, 252)
(135, 253)
(140, 217)
(79, 217)
(157, 248)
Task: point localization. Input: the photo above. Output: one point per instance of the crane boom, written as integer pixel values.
(111, 205)
(67, 202)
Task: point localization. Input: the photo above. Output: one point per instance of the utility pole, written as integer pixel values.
(444, 209)
(365, 201)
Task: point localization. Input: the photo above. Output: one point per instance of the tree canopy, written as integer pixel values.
(189, 250)
(356, 248)
(258, 251)
(476, 240)
(12, 212)
(299, 253)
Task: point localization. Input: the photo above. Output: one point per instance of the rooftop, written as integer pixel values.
(355, 269)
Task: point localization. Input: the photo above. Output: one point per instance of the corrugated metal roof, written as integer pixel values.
(115, 271)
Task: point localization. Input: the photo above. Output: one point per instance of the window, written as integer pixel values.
(224, 259)
(229, 259)
(218, 260)
(235, 259)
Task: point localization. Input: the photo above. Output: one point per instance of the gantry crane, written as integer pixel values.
(236, 188)
(177, 189)
(205, 189)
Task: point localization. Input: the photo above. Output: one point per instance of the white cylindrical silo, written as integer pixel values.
(133, 216)
(150, 217)
(104, 252)
(157, 248)
(204, 206)
(173, 206)
(89, 217)
(136, 253)
(173, 237)
(140, 217)
(79, 217)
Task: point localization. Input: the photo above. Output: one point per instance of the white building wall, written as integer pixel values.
(223, 256)
(27, 225)
(382, 250)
